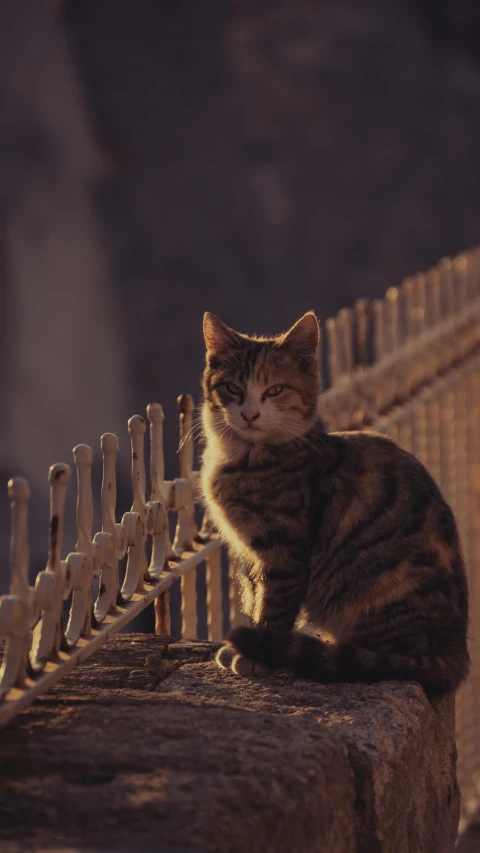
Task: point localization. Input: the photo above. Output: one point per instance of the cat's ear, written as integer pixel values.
(302, 339)
(218, 336)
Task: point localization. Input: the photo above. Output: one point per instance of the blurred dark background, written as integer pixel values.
(255, 159)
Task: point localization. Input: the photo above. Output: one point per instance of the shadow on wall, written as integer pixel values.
(254, 159)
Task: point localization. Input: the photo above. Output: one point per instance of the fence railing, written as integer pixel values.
(40, 649)
(407, 365)
(422, 389)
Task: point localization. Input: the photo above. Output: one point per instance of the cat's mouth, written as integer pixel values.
(248, 431)
(252, 434)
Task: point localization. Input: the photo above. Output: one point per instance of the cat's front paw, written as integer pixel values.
(225, 656)
(228, 658)
(249, 668)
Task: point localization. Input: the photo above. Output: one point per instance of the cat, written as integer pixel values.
(352, 566)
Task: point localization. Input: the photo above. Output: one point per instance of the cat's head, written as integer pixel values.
(261, 389)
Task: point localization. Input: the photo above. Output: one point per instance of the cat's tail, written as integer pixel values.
(309, 657)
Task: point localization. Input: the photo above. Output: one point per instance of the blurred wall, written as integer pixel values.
(255, 159)
(271, 157)
(63, 368)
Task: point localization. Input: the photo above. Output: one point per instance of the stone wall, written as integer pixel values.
(149, 746)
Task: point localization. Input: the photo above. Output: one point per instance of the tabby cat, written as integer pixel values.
(352, 567)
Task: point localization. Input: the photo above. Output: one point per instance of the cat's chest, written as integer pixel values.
(238, 502)
(236, 490)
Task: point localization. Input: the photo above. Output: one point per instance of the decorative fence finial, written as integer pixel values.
(48, 636)
(19, 494)
(159, 495)
(157, 464)
(16, 608)
(110, 447)
(378, 329)
(391, 319)
(29, 668)
(186, 527)
(83, 563)
(362, 314)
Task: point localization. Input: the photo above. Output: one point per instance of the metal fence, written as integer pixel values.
(41, 645)
(407, 365)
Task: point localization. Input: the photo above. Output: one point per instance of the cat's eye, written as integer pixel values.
(234, 389)
(274, 390)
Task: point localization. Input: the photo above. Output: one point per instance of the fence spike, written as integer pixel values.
(156, 418)
(407, 309)
(460, 274)
(420, 286)
(48, 635)
(135, 520)
(161, 546)
(362, 314)
(59, 478)
(433, 298)
(473, 274)
(332, 348)
(137, 429)
(80, 618)
(111, 552)
(345, 340)
(15, 608)
(391, 319)
(321, 367)
(186, 528)
(19, 494)
(83, 459)
(378, 329)
(110, 447)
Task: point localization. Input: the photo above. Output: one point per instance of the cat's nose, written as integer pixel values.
(250, 415)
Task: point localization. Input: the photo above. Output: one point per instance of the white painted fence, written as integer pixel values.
(423, 391)
(39, 650)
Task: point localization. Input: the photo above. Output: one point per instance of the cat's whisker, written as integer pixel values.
(192, 431)
(197, 435)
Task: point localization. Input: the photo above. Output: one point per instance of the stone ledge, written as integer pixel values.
(150, 744)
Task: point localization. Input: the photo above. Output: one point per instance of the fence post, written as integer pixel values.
(159, 496)
(186, 528)
(362, 313)
(80, 620)
(161, 547)
(15, 609)
(135, 520)
(112, 538)
(48, 636)
(332, 347)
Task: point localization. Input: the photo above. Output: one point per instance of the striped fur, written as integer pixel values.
(353, 567)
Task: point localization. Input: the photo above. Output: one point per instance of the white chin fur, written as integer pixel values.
(224, 432)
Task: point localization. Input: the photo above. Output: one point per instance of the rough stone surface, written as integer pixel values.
(148, 744)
